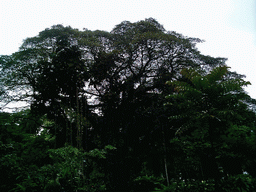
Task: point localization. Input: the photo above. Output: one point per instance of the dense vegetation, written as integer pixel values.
(135, 109)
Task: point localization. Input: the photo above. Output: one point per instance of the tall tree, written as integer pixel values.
(105, 88)
(205, 107)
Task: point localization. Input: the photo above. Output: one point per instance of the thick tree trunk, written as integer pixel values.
(165, 156)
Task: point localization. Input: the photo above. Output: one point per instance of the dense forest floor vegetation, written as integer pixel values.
(135, 109)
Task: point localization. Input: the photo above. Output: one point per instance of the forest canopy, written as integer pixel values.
(135, 109)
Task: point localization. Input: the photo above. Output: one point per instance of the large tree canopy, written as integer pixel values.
(101, 88)
(85, 72)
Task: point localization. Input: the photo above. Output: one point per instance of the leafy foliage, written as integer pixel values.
(207, 110)
(101, 116)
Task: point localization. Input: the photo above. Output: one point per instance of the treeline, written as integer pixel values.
(135, 109)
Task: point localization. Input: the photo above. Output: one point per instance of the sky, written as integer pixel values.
(227, 26)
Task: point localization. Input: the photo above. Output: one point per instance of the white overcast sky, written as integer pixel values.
(227, 26)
